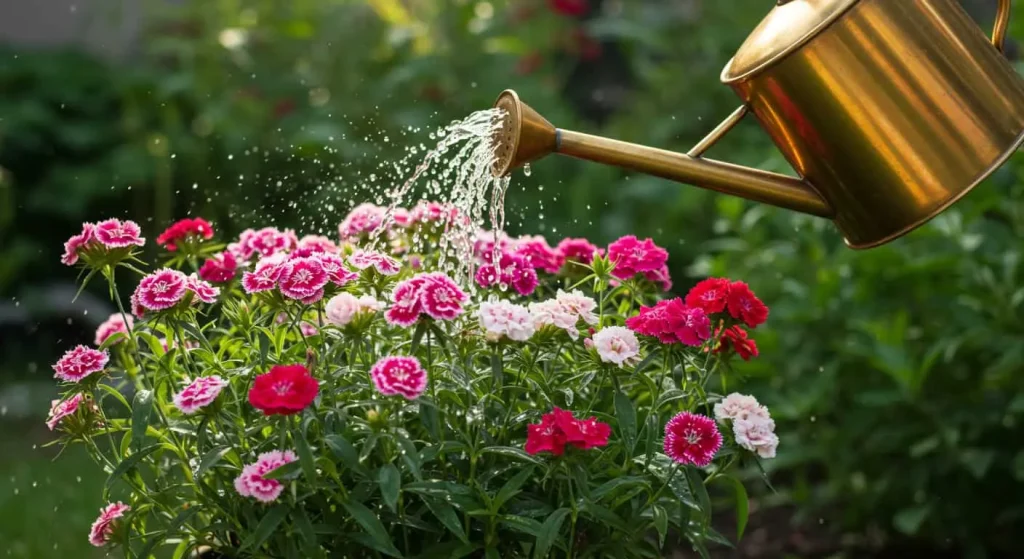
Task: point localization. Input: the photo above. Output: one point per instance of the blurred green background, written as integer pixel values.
(895, 374)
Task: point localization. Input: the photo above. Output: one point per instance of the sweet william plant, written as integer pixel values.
(290, 397)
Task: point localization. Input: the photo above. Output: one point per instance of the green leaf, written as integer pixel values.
(264, 342)
(390, 485)
(369, 522)
(511, 488)
(549, 532)
(286, 471)
(130, 462)
(116, 394)
(172, 528)
(305, 456)
(742, 504)
(344, 451)
(497, 370)
(447, 515)
(522, 524)
(265, 528)
(211, 459)
(661, 524)
(669, 396)
(410, 456)
(417, 335)
(909, 521)
(142, 408)
(428, 415)
(511, 452)
(111, 340)
(305, 528)
(616, 483)
(701, 492)
(155, 347)
(626, 415)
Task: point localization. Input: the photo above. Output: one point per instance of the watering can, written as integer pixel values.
(888, 110)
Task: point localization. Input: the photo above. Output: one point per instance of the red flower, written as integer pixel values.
(560, 427)
(197, 228)
(570, 7)
(632, 256)
(709, 294)
(514, 271)
(736, 339)
(692, 439)
(285, 390)
(220, 268)
(744, 305)
(536, 252)
(672, 322)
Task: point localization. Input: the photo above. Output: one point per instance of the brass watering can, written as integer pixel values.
(889, 111)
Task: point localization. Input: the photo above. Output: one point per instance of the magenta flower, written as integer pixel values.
(303, 279)
(103, 527)
(692, 439)
(114, 233)
(632, 256)
(672, 321)
(399, 375)
(80, 362)
(161, 290)
(335, 268)
(264, 276)
(364, 218)
(536, 252)
(578, 250)
(116, 323)
(59, 409)
(660, 277)
(265, 242)
(441, 297)
(512, 270)
(406, 307)
(363, 259)
(251, 483)
(219, 268)
(78, 243)
(202, 289)
(317, 243)
(201, 393)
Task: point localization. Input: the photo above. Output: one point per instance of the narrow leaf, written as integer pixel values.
(390, 485)
(371, 525)
(211, 459)
(626, 415)
(116, 394)
(286, 471)
(142, 408)
(344, 451)
(172, 528)
(549, 532)
(497, 370)
(742, 504)
(410, 456)
(266, 527)
(305, 456)
(510, 488)
(701, 492)
(661, 524)
(130, 462)
(511, 452)
(447, 515)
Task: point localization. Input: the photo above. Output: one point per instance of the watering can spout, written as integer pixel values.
(526, 136)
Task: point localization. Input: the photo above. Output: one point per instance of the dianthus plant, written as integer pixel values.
(315, 397)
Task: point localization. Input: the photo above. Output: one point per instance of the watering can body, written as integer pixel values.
(889, 111)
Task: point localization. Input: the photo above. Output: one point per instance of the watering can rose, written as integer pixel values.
(368, 387)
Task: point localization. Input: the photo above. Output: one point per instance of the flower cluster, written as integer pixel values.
(752, 424)
(103, 240)
(267, 241)
(302, 278)
(429, 294)
(565, 311)
(560, 427)
(185, 231)
(506, 319)
(165, 288)
(252, 483)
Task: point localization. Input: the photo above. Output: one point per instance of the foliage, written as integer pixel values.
(897, 373)
(441, 470)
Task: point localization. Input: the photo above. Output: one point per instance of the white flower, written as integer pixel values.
(553, 313)
(502, 318)
(368, 304)
(737, 406)
(616, 344)
(342, 308)
(756, 434)
(579, 304)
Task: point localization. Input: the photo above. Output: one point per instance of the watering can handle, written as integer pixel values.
(1002, 22)
(716, 134)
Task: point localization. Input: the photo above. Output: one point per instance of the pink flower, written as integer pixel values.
(364, 218)
(363, 259)
(744, 305)
(103, 527)
(399, 375)
(512, 270)
(740, 406)
(578, 304)
(616, 344)
(264, 242)
(401, 217)
(709, 294)
(80, 362)
(137, 310)
(251, 483)
(427, 212)
(343, 307)
(202, 289)
(307, 329)
(578, 250)
(219, 268)
(660, 277)
(756, 434)
(441, 297)
(317, 243)
(692, 439)
(284, 390)
(77, 243)
(632, 256)
(162, 289)
(484, 243)
(406, 307)
(59, 409)
(335, 268)
(303, 279)
(113, 325)
(536, 252)
(264, 277)
(503, 318)
(201, 393)
(114, 233)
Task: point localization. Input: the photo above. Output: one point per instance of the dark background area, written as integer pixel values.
(894, 374)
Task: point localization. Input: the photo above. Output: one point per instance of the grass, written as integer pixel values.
(46, 506)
